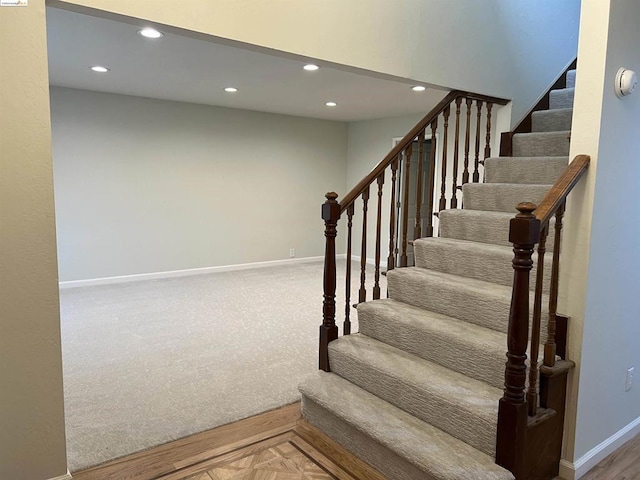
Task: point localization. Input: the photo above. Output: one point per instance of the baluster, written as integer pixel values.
(550, 345)
(328, 329)
(362, 294)
(454, 198)
(346, 328)
(487, 147)
(532, 393)
(432, 177)
(376, 286)
(417, 231)
(465, 174)
(476, 173)
(391, 259)
(405, 204)
(443, 186)
(524, 232)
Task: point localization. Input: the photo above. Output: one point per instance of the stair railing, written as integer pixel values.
(397, 168)
(522, 407)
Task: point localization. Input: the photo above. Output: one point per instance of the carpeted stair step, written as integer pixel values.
(482, 261)
(501, 197)
(571, 79)
(475, 226)
(561, 98)
(463, 407)
(399, 445)
(482, 303)
(541, 144)
(437, 338)
(551, 120)
(529, 170)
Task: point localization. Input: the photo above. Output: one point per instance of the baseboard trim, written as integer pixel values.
(577, 469)
(66, 476)
(184, 273)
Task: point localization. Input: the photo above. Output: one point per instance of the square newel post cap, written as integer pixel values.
(331, 208)
(524, 229)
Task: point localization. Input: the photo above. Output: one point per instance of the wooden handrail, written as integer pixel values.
(556, 196)
(356, 191)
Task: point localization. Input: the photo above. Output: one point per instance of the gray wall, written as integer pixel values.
(602, 268)
(145, 185)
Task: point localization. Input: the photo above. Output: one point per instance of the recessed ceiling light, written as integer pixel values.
(150, 33)
(99, 69)
(310, 67)
(230, 89)
(418, 88)
(331, 104)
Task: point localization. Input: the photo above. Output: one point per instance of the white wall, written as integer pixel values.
(146, 185)
(511, 49)
(601, 270)
(32, 438)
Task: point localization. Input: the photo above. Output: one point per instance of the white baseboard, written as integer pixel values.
(183, 273)
(66, 476)
(577, 469)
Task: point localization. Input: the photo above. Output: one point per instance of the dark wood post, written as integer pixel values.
(328, 329)
(524, 233)
(550, 344)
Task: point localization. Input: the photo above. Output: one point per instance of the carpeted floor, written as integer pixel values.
(152, 361)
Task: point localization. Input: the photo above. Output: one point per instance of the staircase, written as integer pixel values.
(416, 392)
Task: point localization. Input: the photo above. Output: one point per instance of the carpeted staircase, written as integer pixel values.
(415, 393)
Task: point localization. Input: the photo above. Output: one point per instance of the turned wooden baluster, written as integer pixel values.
(362, 294)
(329, 329)
(405, 204)
(376, 286)
(487, 147)
(524, 232)
(417, 231)
(391, 259)
(443, 187)
(465, 173)
(346, 328)
(550, 345)
(532, 392)
(432, 177)
(454, 198)
(476, 173)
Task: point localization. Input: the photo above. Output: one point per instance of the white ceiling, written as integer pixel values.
(186, 69)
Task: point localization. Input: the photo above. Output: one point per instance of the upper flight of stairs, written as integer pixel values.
(415, 393)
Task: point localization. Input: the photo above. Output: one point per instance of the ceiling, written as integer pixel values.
(182, 68)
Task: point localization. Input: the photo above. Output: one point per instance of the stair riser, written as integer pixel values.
(571, 79)
(361, 445)
(501, 197)
(562, 98)
(524, 170)
(495, 267)
(481, 228)
(548, 144)
(420, 401)
(551, 120)
(488, 309)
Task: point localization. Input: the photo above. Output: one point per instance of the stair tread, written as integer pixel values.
(436, 337)
(423, 445)
(524, 170)
(459, 405)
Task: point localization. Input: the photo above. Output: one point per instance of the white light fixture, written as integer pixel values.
(150, 33)
(99, 69)
(418, 88)
(231, 89)
(626, 81)
(310, 67)
(331, 104)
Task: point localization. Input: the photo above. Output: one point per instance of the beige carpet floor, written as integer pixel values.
(152, 361)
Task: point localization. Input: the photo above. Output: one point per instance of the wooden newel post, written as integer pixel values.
(328, 329)
(524, 233)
